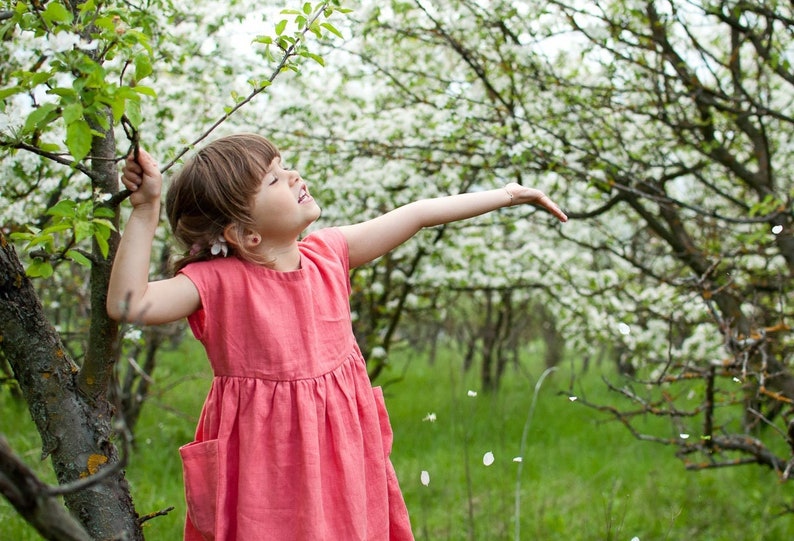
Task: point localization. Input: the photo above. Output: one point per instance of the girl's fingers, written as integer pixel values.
(131, 183)
(553, 208)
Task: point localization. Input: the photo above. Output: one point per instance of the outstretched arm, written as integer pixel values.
(373, 238)
(131, 296)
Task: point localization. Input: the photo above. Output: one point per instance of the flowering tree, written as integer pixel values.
(666, 125)
(75, 102)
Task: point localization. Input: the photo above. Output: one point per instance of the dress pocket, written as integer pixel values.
(200, 469)
(383, 417)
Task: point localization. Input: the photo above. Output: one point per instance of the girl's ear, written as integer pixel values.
(232, 235)
(243, 238)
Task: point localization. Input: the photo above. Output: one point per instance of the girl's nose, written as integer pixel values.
(293, 176)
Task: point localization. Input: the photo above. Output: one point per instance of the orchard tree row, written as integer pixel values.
(664, 128)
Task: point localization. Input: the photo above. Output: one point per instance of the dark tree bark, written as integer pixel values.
(75, 429)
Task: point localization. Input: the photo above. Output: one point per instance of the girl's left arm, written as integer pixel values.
(371, 239)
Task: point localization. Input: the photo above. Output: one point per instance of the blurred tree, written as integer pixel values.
(667, 126)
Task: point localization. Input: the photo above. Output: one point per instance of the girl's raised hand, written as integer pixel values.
(520, 195)
(142, 178)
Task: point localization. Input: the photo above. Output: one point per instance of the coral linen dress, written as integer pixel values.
(293, 442)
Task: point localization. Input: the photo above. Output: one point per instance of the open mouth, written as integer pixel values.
(303, 195)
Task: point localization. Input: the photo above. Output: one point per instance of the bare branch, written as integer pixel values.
(59, 158)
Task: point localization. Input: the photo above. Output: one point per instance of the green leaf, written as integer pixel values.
(49, 147)
(78, 139)
(87, 7)
(64, 208)
(331, 28)
(102, 223)
(104, 212)
(118, 106)
(78, 258)
(143, 66)
(281, 26)
(72, 112)
(39, 269)
(145, 90)
(10, 91)
(56, 13)
(317, 58)
(64, 92)
(307, 8)
(102, 242)
(21, 235)
(82, 231)
(56, 228)
(40, 116)
(40, 77)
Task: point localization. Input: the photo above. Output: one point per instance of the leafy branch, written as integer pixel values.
(292, 46)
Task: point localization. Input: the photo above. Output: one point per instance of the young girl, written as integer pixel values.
(293, 442)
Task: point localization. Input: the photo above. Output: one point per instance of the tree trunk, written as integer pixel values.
(74, 431)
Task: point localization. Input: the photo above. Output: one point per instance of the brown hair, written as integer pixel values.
(214, 189)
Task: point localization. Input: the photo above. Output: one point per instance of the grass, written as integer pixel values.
(581, 478)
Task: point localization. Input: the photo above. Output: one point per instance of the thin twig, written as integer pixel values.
(58, 158)
(288, 53)
(161, 513)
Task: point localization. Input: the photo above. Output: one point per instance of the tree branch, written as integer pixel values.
(34, 500)
(58, 158)
(288, 53)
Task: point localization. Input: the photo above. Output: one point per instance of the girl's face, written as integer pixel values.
(283, 207)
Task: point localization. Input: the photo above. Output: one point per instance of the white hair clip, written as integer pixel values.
(219, 246)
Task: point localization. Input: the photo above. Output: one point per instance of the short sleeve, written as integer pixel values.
(197, 320)
(332, 241)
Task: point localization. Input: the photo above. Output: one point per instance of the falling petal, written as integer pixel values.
(624, 329)
(431, 417)
(424, 477)
(737, 380)
(472, 393)
(573, 398)
(488, 458)
(684, 436)
(635, 538)
(777, 229)
(518, 459)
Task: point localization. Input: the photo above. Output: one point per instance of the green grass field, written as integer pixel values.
(581, 478)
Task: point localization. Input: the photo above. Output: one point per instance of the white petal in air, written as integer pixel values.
(777, 229)
(431, 417)
(424, 477)
(488, 458)
(472, 393)
(518, 459)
